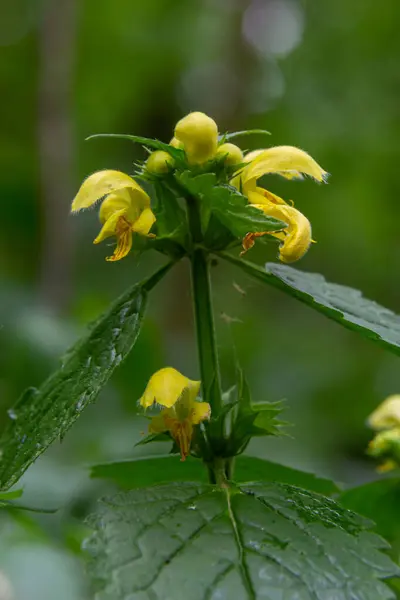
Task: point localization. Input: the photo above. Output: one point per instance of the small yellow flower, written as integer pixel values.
(387, 415)
(199, 135)
(291, 163)
(159, 162)
(126, 208)
(178, 394)
(232, 153)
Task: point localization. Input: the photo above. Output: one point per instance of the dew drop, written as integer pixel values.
(12, 413)
(192, 507)
(80, 404)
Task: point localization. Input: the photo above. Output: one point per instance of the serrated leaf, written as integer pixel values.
(177, 153)
(171, 221)
(43, 415)
(143, 472)
(343, 304)
(379, 501)
(258, 541)
(234, 134)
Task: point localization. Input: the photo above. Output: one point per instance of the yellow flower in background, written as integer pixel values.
(291, 163)
(387, 415)
(125, 210)
(199, 135)
(178, 394)
(385, 420)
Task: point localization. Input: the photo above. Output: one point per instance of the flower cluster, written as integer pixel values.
(126, 206)
(385, 421)
(177, 394)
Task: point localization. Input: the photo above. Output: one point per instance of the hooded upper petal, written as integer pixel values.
(166, 387)
(105, 182)
(284, 160)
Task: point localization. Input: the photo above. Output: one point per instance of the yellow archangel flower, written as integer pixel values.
(177, 394)
(291, 163)
(124, 211)
(387, 415)
(385, 420)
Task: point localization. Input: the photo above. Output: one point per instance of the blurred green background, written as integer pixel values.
(321, 75)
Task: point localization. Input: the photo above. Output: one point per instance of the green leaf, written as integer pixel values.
(14, 495)
(177, 153)
(379, 501)
(224, 211)
(345, 305)
(144, 472)
(259, 541)
(231, 136)
(43, 415)
(171, 221)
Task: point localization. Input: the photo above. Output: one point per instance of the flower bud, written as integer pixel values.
(233, 154)
(159, 162)
(175, 143)
(199, 134)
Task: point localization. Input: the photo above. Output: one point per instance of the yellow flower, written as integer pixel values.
(291, 163)
(126, 208)
(199, 135)
(159, 162)
(387, 415)
(178, 394)
(232, 153)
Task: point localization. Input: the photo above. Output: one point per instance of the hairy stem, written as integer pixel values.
(203, 314)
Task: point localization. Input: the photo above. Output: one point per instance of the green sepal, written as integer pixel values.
(242, 419)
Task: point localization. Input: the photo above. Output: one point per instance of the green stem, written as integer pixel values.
(203, 314)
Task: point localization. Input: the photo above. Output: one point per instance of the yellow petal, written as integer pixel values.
(110, 226)
(105, 182)
(261, 196)
(200, 412)
(282, 159)
(296, 238)
(387, 415)
(166, 387)
(199, 134)
(115, 203)
(157, 424)
(145, 222)
(123, 247)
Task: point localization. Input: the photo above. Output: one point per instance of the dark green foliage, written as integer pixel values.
(262, 540)
(343, 304)
(41, 416)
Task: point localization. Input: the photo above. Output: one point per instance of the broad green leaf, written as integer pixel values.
(379, 501)
(345, 305)
(43, 415)
(144, 472)
(258, 541)
(176, 153)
